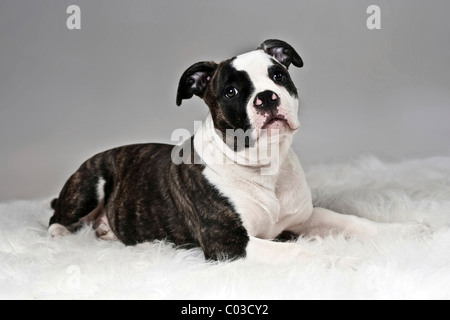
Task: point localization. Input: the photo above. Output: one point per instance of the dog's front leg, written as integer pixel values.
(324, 222)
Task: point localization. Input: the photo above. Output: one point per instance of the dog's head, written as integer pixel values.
(252, 92)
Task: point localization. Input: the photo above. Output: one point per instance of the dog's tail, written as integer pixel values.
(54, 203)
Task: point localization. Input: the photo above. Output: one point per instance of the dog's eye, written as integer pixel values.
(278, 77)
(231, 92)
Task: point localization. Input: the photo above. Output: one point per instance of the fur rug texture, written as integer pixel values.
(394, 266)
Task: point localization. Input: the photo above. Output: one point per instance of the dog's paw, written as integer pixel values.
(415, 229)
(103, 232)
(408, 229)
(58, 231)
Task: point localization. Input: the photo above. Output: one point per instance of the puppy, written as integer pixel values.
(230, 189)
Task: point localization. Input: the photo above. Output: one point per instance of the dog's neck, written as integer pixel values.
(266, 155)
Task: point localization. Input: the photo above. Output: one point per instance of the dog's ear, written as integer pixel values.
(195, 80)
(282, 52)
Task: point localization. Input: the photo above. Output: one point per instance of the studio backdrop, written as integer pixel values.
(79, 77)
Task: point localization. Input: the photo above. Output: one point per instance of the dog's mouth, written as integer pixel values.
(278, 121)
(275, 123)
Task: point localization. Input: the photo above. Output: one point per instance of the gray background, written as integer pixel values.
(66, 95)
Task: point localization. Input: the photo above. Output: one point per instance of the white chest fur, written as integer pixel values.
(267, 204)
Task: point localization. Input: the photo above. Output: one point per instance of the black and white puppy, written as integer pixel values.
(239, 186)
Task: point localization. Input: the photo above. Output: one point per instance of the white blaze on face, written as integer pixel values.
(256, 64)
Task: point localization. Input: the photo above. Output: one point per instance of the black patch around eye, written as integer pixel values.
(234, 107)
(276, 72)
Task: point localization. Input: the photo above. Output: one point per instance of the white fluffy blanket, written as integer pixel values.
(33, 266)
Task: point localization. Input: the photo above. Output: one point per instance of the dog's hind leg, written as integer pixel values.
(102, 227)
(79, 201)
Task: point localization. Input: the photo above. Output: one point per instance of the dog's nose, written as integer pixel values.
(267, 100)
